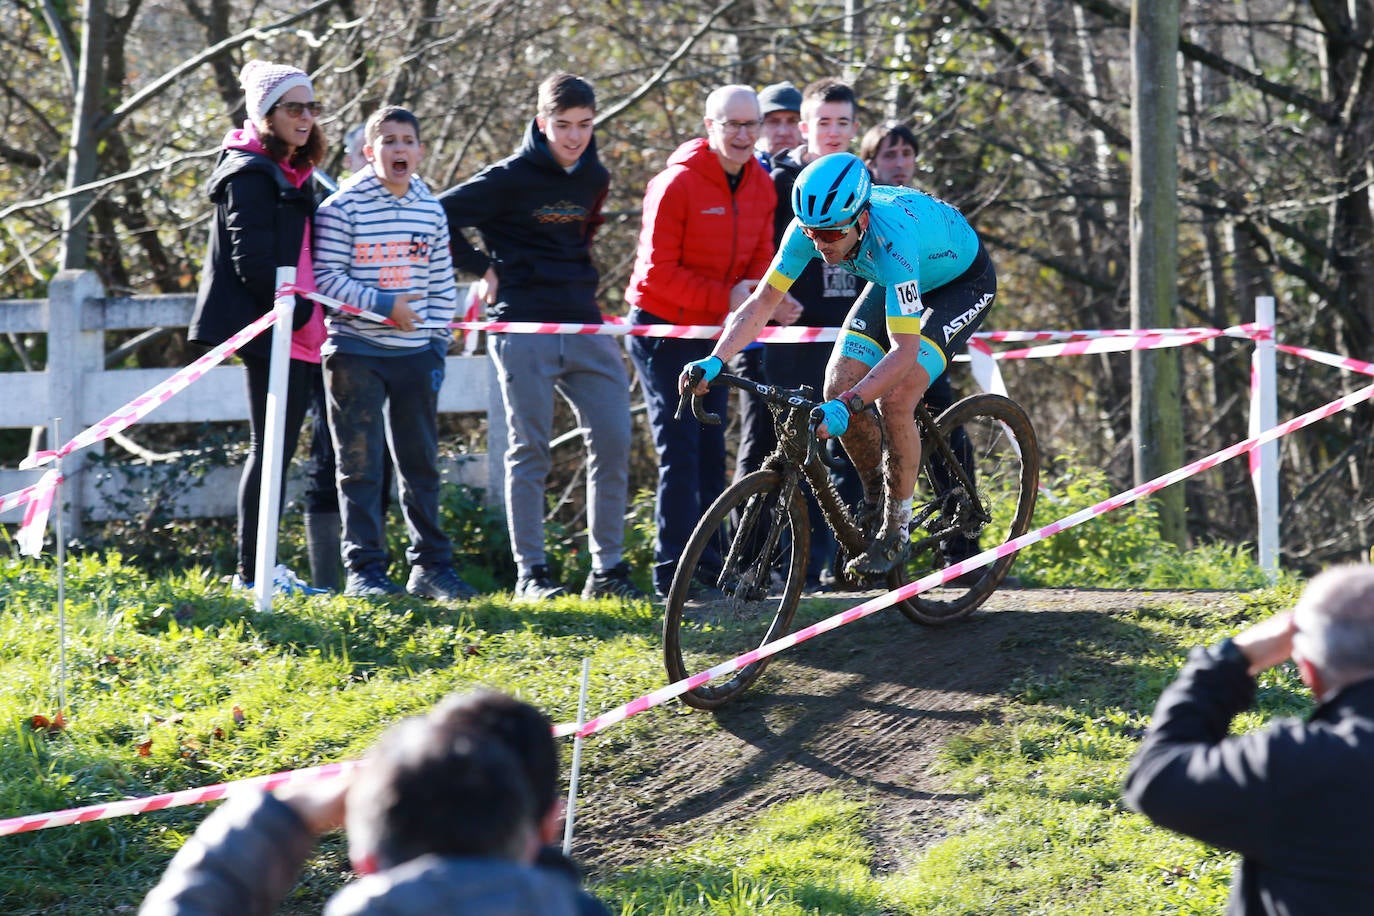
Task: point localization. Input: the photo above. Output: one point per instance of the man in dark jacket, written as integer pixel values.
(1294, 799)
(448, 813)
(537, 212)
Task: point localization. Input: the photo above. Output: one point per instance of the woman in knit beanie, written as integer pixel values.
(264, 201)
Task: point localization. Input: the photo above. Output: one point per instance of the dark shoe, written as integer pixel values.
(441, 583)
(612, 583)
(371, 581)
(881, 556)
(868, 516)
(538, 585)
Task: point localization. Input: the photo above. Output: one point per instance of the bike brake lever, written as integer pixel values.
(835, 463)
(694, 377)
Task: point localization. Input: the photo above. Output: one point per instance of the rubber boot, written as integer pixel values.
(323, 537)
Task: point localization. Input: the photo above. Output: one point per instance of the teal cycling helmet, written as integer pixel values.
(831, 191)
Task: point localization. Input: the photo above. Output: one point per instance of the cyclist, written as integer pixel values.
(930, 282)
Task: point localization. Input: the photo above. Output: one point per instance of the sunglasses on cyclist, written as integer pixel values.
(296, 109)
(833, 234)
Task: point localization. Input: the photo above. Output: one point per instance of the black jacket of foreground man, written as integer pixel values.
(1295, 799)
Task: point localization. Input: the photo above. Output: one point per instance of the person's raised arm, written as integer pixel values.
(742, 327)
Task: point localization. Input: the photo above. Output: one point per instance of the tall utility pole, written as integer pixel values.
(1156, 401)
(81, 160)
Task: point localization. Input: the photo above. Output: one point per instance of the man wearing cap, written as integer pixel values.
(781, 107)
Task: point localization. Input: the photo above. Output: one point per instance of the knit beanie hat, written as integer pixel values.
(264, 84)
(779, 97)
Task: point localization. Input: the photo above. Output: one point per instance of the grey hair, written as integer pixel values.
(1335, 624)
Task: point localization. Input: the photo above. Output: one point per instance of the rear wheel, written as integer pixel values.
(995, 442)
(737, 585)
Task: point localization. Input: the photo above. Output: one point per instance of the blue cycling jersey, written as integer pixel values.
(915, 243)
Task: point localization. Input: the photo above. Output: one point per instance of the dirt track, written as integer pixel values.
(869, 705)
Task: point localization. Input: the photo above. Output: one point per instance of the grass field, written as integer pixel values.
(174, 682)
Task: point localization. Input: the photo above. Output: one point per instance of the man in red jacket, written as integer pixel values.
(706, 240)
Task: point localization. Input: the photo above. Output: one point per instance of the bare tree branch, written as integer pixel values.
(161, 84)
(681, 52)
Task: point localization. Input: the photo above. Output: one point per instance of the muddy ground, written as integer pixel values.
(868, 705)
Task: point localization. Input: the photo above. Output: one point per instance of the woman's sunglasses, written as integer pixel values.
(834, 234)
(296, 109)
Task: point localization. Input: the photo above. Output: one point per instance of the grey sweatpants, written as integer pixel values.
(589, 372)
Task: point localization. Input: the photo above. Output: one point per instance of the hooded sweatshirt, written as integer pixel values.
(537, 220)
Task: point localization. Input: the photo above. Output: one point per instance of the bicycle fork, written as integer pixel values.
(758, 533)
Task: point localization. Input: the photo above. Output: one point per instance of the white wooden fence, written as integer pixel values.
(76, 388)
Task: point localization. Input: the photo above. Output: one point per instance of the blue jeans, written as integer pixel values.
(376, 402)
(691, 456)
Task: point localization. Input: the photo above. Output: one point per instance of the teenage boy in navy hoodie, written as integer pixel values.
(536, 212)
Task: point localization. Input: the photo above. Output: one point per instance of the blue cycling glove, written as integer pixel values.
(710, 367)
(836, 417)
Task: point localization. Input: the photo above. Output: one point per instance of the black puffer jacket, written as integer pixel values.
(259, 223)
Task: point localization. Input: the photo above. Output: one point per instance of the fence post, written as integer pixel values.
(496, 440)
(73, 352)
(1264, 414)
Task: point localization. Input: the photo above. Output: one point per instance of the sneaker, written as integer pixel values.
(441, 583)
(538, 585)
(371, 581)
(612, 583)
(881, 556)
(284, 582)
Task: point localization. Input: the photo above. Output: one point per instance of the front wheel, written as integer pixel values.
(995, 443)
(737, 585)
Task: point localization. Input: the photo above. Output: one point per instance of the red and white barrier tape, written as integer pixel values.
(340, 306)
(154, 397)
(35, 525)
(1330, 359)
(663, 694)
(140, 407)
(977, 561)
(172, 799)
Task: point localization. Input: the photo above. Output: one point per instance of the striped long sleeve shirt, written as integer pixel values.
(371, 246)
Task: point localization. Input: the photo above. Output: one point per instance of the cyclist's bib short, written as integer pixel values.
(950, 315)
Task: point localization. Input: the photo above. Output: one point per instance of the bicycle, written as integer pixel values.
(741, 575)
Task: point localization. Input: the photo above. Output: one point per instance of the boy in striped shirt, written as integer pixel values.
(381, 243)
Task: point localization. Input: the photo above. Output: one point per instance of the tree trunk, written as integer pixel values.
(83, 156)
(1156, 416)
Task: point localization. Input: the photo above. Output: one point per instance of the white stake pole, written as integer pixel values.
(1264, 461)
(577, 760)
(273, 457)
(59, 533)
